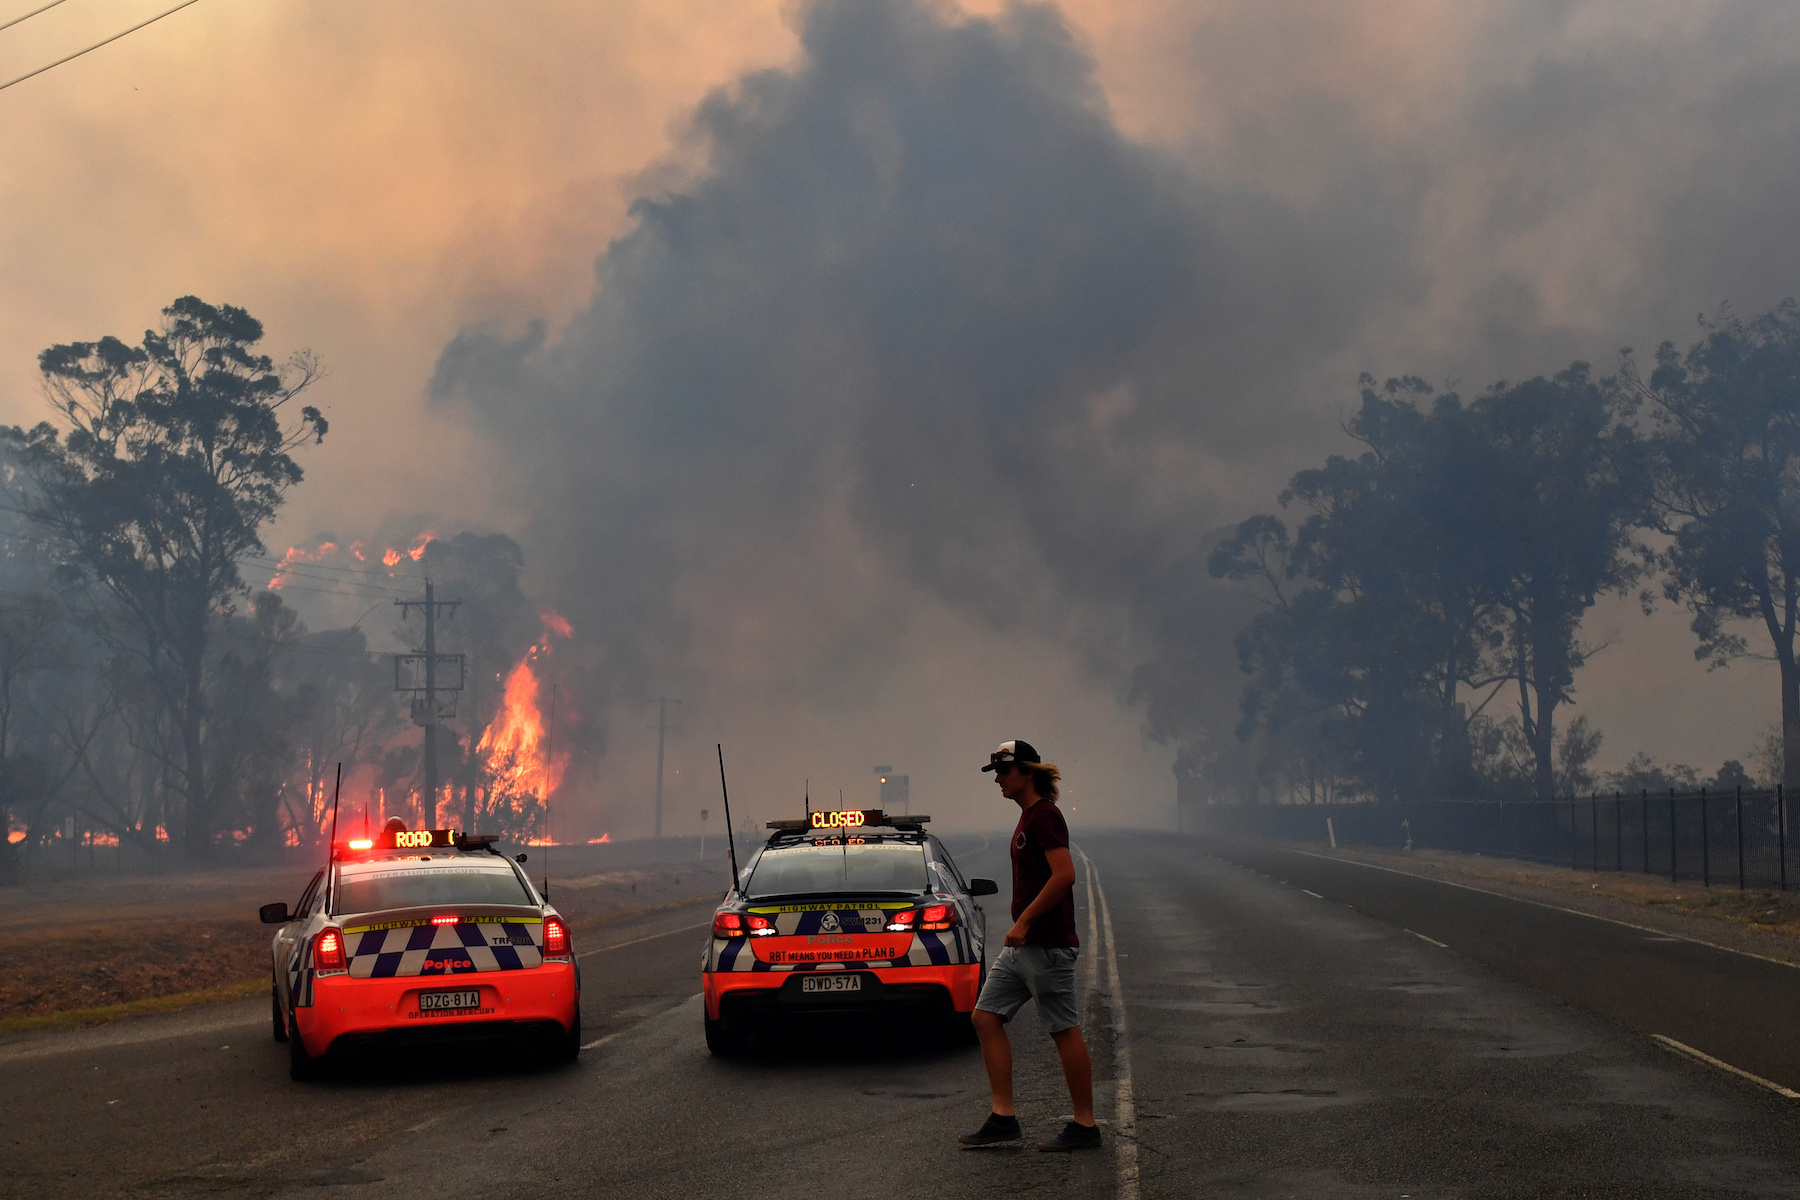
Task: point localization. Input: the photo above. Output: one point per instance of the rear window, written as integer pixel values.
(879, 867)
(417, 886)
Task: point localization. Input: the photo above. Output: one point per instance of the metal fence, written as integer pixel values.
(1736, 838)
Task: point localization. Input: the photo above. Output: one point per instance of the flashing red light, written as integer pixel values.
(361, 844)
(901, 922)
(445, 920)
(937, 916)
(728, 925)
(761, 927)
(328, 951)
(556, 938)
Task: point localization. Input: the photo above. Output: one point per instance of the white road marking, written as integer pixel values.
(1124, 1099)
(1423, 938)
(646, 938)
(1669, 1043)
(1574, 912)
(1312, 893)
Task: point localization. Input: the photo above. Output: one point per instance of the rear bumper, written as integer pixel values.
(748, 993)
(538, 1001)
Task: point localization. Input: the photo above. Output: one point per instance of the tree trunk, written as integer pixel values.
(1790, 722)
(1543, 746)
(197, 828)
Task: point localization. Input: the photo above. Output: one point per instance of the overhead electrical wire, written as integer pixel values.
(108, 41)
(34, 12)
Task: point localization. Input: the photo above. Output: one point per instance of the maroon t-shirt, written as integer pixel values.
(1041, 828)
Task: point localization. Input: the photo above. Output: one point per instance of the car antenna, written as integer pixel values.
(549, 762)
(730, 842)
(331, 847)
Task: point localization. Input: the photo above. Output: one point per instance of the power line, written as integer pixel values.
(34, 12)
(115, 37)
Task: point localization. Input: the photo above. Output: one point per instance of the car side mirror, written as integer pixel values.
(983, 887)
(274, 914)
(518, 858)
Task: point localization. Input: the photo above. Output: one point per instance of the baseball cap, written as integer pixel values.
(1015, 751)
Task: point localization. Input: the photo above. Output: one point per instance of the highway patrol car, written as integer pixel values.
(420, 937)
(854, 911)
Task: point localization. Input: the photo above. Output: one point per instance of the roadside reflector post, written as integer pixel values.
(1618, 834)
(1594, 824)
(1331, 833)
(1645, 797)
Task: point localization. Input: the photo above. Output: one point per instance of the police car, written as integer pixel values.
(420, 937)
(851, 911)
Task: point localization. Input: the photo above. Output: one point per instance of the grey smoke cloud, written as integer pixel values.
(925, 328)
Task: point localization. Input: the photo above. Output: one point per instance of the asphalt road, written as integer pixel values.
(1270, 1042)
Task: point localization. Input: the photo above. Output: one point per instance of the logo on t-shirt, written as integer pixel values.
(1019, 841)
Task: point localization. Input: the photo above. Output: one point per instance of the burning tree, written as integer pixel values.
(515, 756)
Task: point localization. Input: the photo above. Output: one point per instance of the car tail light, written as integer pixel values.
(761, 927)
(556, 938)
(728, 925)
(937, 916)
(328, 951)
(901, 922)
(445, 920)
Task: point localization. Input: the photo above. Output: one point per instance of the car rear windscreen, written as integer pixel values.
(879, 867)
(413, 887)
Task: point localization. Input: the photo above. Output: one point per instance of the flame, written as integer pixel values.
(601, 840)
(294, 555)
(391, 557)
(356, 548)
(514, 744)
(15, 836)
(555, 622)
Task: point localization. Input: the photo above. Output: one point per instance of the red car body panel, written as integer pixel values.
(343, 1005)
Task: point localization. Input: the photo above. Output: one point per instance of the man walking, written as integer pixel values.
(1038, 960)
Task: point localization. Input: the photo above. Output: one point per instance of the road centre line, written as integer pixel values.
(1574, 912)
(1423, 938)
(1682, 1048)
(1124, 1099)
(639, 941)
(1312, 893)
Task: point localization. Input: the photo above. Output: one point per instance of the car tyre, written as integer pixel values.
(301, 1065)
(724, 1037)
(275, 1015)
(568, 1047)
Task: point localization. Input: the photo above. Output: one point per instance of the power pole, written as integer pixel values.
(427, 710)
(662, 735)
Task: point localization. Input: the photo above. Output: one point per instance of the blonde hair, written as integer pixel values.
(1045, 779)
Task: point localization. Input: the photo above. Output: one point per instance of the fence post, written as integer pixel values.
(1781, 831)
(1740, 835)
(1705, 843)
(1674, 874)
(1594, 826)
(1645, 800)
(1618, 834)
(1574, 837)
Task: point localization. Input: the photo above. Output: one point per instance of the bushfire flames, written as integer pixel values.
(514, 745)
(391, 558)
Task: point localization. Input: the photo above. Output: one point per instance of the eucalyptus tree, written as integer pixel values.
(169, 458)
(1726, 421)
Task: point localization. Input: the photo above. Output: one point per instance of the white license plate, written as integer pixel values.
(443, 1001)
(831, 983)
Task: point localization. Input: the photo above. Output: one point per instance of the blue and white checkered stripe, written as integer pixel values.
(444, 949)
(927, 950)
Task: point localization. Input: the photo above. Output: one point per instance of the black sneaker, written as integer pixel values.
(995, 1129)
(1074, 1137)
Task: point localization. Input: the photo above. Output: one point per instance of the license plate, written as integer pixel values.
(443, 1001)
(831, 983)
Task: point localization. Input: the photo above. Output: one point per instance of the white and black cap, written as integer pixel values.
(1015, 751)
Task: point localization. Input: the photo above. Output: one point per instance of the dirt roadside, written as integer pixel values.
(1754, 921)
(89, 951)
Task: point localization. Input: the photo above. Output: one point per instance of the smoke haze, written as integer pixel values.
(925, 348)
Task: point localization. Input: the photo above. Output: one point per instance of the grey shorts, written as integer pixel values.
(1042, 973)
